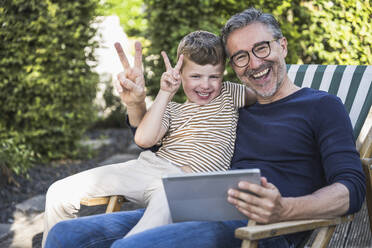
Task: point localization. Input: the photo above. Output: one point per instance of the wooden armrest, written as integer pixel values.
(95, 201)
(270, 230)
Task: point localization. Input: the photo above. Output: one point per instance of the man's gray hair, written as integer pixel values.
(247, 17)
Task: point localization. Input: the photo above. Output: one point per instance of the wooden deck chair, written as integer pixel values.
(353, 85)
(367, 166)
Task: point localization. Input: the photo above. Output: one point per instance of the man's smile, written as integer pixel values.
(261, 74)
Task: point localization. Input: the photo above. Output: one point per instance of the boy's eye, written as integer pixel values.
(195, 76)
(215, 76)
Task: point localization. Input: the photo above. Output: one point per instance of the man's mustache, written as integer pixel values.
(249, 72)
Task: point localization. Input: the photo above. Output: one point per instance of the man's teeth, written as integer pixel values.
(260, 74)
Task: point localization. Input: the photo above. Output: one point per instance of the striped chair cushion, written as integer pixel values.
(351, 83)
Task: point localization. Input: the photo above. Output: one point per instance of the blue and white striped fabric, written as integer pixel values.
(351, 83)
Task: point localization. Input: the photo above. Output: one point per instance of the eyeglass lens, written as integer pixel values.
(260, 51)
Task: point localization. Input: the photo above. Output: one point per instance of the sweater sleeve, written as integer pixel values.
(134, 129)
(341, 162)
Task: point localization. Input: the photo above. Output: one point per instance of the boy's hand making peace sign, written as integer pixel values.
(171, 79)
(131, 85)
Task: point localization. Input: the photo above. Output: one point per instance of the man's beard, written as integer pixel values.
(265, 94)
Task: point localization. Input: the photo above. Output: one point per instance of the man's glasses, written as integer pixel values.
(261, 50)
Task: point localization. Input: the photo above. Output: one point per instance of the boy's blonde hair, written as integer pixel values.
(202, 48)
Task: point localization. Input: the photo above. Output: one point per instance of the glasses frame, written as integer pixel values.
(252, 50)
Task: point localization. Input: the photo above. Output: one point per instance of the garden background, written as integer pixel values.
(49, 82)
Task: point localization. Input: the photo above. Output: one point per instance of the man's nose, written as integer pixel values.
(254, 62)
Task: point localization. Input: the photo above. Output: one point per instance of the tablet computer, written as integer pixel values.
(203, 196)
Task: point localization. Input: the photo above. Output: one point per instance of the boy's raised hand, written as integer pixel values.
(131, 86)
(171, 79)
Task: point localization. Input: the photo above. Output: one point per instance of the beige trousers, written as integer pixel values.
(138, 180)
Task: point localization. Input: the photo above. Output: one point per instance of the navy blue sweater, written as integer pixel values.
(301, 143)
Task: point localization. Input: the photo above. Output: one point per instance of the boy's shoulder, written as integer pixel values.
(232, 87)
(228, 83)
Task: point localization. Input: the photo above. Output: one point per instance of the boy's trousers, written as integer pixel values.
(139, 181)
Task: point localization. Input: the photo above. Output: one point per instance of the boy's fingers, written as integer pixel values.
(167, 63)
(128, 85)
(117, 86)
(139, 83)
(168, 78)
(138, 55)
(123, 58)
(179, 63)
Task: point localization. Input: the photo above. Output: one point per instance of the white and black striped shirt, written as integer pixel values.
(203, 136)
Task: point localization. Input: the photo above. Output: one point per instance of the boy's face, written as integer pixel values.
(201, 83)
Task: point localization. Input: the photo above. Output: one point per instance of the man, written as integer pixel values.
(301, 139)
(258, 61)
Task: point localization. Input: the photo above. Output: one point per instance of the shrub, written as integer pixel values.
(46, 84)
(322, 31)
(111, 111)
(14, 153)
(339, 33)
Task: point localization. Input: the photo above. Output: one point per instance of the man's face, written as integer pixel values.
(263, 75)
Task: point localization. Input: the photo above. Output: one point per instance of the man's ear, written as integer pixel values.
(231, 64)
(283, 45)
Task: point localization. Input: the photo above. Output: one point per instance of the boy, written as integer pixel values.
(193, 132)
(197, 135)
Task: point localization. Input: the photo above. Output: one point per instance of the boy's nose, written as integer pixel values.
(204, 83)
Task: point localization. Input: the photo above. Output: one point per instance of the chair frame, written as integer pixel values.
(252, 232)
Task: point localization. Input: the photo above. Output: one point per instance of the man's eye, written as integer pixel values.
(261, 49)
(240, 57)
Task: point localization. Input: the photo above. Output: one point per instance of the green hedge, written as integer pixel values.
(339, 33)
(46, 84)
(322, 31)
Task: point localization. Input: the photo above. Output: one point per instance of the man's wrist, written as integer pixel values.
(288, 204)
(297, 208)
